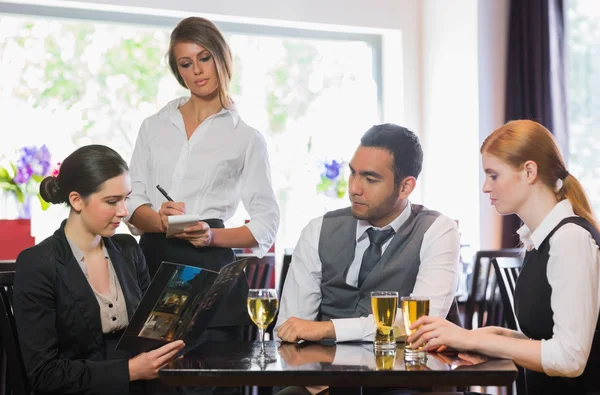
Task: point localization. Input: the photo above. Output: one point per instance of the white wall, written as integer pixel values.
(449, 111)
(493, 43)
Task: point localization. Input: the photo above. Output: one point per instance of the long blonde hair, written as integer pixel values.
(519, 141)
(203, 32)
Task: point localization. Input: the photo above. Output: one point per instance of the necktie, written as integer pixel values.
(373, 252)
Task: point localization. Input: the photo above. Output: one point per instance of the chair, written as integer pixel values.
(285, 267)
(14, 377)
(486, 298)
(484, 301)
(507, 272)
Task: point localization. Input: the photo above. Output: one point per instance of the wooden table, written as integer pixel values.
(344, 365)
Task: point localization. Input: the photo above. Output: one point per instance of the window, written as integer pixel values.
(583, 42)
(68, 83)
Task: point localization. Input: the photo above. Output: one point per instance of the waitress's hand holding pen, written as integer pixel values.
(170, 208)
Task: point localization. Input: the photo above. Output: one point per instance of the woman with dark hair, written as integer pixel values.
(208, 160)
(75, 291)
(557, 296)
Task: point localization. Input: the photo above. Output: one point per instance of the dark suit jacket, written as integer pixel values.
(58, 316)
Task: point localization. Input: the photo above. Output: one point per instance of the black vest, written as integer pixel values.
(534, 312)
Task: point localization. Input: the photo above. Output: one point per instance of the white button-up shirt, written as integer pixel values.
(573, 272)
(224, 161)
(437, 277)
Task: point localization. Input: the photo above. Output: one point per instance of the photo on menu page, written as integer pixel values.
(179, 304)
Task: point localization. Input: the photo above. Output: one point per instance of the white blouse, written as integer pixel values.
(224, 161)
(573, 273)
(113, 308)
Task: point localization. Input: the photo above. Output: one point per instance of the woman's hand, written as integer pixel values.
(434, 332)
(169, 208)
(145, 366)
(200, 235)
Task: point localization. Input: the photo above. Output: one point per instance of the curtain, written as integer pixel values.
(536, 77)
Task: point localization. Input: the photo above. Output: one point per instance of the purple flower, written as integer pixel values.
(23, 174)
(332, 170)
(32, 161)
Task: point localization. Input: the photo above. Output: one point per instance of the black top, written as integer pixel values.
(58, 317)
(535, 315)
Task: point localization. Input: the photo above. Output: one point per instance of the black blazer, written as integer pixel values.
(58, 316)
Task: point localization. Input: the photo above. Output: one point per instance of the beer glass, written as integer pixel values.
(262, 306)
(385, 304)
(385, 359)
(413, 307)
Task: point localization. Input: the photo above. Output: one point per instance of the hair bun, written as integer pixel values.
(50, 191)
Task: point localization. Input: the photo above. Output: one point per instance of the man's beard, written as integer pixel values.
(381, 210)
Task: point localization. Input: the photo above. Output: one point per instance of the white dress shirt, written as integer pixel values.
(224, 161)
(573, 273)
(437, 277)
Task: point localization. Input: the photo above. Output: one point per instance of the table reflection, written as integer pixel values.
(316, 356)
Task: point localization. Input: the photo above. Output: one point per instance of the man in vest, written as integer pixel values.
(381, 242)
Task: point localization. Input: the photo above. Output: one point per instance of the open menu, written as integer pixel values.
(179, 305)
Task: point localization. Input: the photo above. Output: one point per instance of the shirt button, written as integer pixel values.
(360, 313)
(110, 305)
(114, 318)
(361, 296)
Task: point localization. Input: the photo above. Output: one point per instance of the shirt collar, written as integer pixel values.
(78, 254)
(362, 224)
(530, 240)
(173, 108)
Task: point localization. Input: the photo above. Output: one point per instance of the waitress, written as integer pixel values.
(207, 159)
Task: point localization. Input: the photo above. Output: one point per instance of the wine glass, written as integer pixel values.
(262, 306)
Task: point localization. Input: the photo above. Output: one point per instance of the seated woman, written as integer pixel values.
(557, 297)
(75, 291)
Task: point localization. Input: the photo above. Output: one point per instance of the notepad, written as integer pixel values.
(177, 223)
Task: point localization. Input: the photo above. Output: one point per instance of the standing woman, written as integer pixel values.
(75, 291)
(557, 296)
(207, 159)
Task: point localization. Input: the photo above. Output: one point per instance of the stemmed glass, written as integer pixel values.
(262, 306)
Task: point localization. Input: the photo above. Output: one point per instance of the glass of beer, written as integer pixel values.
(262, 306)
(413, 307)
(385, 304)
(385, 359)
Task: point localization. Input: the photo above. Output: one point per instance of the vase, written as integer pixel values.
(24, 209)
(11, 208)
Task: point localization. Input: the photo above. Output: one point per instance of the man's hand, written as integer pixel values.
(296, 329)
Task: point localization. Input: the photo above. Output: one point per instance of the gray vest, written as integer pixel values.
(396, 271)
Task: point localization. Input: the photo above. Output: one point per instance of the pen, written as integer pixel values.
(164, 193)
